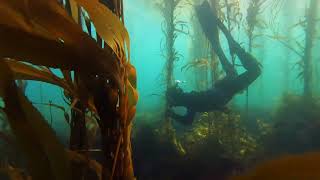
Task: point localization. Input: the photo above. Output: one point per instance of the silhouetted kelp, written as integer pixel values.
(302, 49)
(42, 33)
(169, 11)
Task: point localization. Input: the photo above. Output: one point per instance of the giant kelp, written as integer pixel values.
(170, 28)
(42, 33)
(302, 48)
(252, 23)
(46, 156)
(307, 57)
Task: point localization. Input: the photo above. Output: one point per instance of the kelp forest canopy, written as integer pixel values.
(98, 84)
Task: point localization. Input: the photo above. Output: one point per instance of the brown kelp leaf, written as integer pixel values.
(304, 166)
(45, 154)
(108, 25)
(42, 33)
(51, 38)
(14, 13)
(37, 163)
(51, 16)
(54, 19)
(21, 45)
(74, 10)
(27, 72)
(132, 75)
(132, 94)
(131, 113)
(24, 46)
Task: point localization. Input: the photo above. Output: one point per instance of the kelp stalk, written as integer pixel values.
(78, 135)
(307, 58)
(253, 11)
(168, 9)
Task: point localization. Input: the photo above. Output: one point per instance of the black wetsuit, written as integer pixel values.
(217, 97)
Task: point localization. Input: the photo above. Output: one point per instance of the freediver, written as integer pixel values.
(223, 91)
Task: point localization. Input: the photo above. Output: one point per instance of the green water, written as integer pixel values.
(143, 21)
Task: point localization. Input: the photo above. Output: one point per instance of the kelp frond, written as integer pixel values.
(197, 63)
(233, 15)
(46, 41)
(108, 26)
(42, 33)
(46, 156)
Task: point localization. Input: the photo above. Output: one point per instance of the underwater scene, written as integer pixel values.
(160, 90)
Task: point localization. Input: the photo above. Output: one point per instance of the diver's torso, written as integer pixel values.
(213, 99)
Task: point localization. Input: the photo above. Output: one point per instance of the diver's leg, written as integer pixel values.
(210, 28)
(226, 65)
(204, 14)
(247, 60)
(239, 83)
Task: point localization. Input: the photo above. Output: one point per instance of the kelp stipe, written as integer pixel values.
(169, 10)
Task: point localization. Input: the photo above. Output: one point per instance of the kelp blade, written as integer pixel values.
(28, 72)
(51, 38)
(108, 26)
(46, 156)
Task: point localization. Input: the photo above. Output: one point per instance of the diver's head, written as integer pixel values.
(173, 93)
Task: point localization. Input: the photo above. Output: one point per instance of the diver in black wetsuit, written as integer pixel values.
(224, 90)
